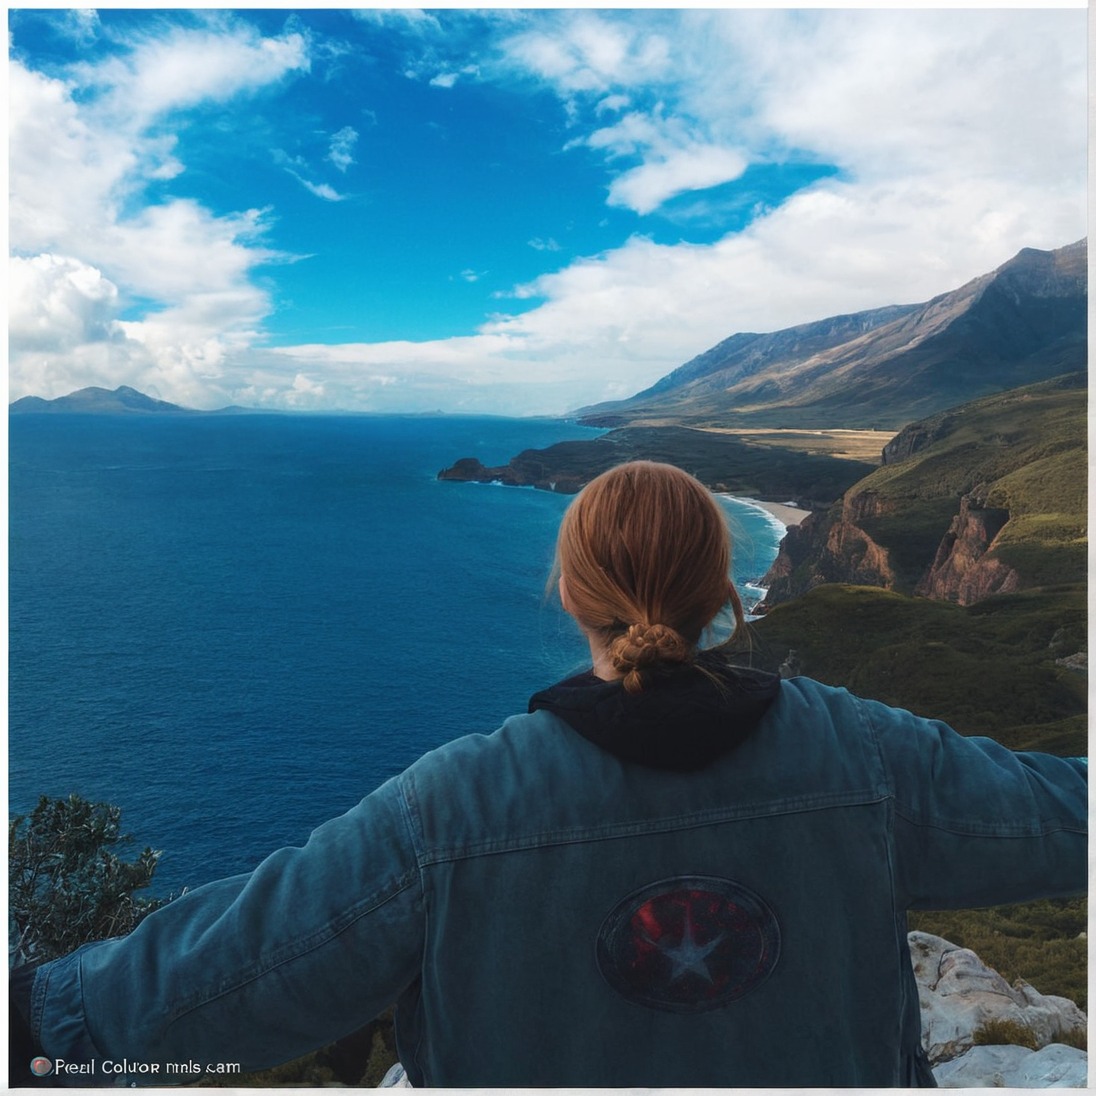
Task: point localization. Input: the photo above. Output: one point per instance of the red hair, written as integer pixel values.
(645, 554)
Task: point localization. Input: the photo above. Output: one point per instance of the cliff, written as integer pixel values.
(982, 499)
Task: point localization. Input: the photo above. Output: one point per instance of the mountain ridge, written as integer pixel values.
(883, 368)
(95, 400)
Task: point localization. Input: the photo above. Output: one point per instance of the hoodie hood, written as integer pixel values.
(685, 719)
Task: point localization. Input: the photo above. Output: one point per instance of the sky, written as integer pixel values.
(507, 211)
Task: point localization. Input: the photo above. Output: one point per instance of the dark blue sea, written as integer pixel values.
(234, 627)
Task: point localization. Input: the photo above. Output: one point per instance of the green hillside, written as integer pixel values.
(1008, 470)
(1022, 451)
(988, 669)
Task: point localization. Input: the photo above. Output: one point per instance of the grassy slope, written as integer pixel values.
(1026, 451)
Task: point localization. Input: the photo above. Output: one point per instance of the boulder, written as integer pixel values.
(960, 994)
(1054, 1066)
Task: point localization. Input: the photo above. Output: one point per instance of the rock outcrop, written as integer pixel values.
(721, 461)
(963, 1002)
(1055, 1066)
(987, 498)
(963, 570)
(830, 546)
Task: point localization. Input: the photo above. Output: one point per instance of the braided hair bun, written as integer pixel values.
(645, 646)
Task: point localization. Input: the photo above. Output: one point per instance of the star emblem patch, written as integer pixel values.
(688, 944)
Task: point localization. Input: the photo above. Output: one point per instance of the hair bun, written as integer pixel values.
(643, 646)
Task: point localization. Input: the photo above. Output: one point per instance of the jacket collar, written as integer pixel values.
(685, 719)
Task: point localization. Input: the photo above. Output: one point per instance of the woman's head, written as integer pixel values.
(644, 556)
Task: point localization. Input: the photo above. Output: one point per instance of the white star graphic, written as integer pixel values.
(688, 956)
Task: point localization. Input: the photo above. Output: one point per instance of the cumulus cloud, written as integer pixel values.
(188, 66)
(587, 52)
(954, 137)
(83, 148)
(56, 302)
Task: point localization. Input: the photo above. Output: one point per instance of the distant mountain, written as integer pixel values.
(97, 401)
(884, 368)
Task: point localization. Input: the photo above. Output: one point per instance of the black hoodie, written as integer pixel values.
(684, 719)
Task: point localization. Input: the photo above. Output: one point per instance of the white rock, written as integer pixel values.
(959, 994)
(1054, 1066)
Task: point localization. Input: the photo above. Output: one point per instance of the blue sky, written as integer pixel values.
(513, 211)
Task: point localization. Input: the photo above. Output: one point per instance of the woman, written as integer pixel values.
(669, 872)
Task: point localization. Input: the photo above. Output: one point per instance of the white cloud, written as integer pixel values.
(81, 25)
(958, 137)
(78, 165)
(587, 52)
(190, 66)
(341, 153)
(322, 190)
(646, 187)
(444, 80)
(414, 18)
(56, 302)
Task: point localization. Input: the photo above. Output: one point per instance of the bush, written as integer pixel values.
(66, 884)
(1005, 1033)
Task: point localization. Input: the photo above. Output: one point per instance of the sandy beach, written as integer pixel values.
(788, 515)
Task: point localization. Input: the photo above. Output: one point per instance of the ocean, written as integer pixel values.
(234, 627)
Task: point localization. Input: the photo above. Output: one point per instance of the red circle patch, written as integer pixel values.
(688, 944)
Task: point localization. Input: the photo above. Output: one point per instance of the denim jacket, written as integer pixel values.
(549, 913)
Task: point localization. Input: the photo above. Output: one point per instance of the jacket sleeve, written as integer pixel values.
(249, 971)
(976, 824)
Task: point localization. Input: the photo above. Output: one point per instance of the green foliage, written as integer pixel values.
(67, 885)
(1022, 451)
(1042, 942)
(989, 669)
(1076, 1037)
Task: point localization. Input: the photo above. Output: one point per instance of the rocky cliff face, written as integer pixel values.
(833, 546)
(913, 438)
(830, 546)
(963, 571)
(985, 498)
(963, 1001)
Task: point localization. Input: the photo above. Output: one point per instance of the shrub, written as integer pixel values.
(67, 885)
(1005, 1033)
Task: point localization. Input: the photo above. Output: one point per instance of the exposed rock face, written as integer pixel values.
(913, 438)
(1055, 1066)
(962, 571)
(960, 994)
(830, 547)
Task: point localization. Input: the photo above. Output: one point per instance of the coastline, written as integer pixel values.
(785, 514)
